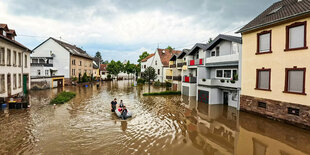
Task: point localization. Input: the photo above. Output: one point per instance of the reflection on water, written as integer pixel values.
(160, 125)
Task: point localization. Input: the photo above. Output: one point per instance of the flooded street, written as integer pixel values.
(160, 125)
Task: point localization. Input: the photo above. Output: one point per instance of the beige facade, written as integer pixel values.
(80, 65)
(277, 61)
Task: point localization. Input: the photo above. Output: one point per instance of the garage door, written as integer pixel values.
(203, 96)
(185, 90)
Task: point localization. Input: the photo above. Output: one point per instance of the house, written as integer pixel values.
(193, 58)
(14, 65)
(217, 79)
(146, 62)
(96, 68)
(174, 72)
(69, 60)
(275, 63)
(103, 71)
(43, 75)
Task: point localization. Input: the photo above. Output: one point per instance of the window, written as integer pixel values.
(19, 80)
(73, 71)
(295, 80)
(156, 62)
(219, 73)
(263, 79)
(46, 72)
(296, 36)
(89, 64)
(217, 51)
(212, 53)
(235, 75)
(227, 73)
(39, 72)
(19, 59)
(235, 48)
(73, 62)
(158, 72)
(8, 56)
(26, 61)
(144, 66)
(80, 63)
(2, 83)
(14, 58)
(197, 55)
(2, 61)
(264, 42)
(14, 81)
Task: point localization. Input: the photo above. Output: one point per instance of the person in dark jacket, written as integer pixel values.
(113, 105)
(124, 112)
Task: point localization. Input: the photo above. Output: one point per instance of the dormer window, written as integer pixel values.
(4, 33)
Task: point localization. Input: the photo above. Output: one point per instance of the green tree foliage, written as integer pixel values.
(142, 56)
(98, 55)
(105, 62)
(169, 48)
(210, 40)
(115, 68)
(149, 75)
(129, 68)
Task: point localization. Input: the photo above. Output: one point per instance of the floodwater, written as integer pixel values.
(160, 125)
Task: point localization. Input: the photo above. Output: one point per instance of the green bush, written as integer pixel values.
(74, 79)
(109, 76)
(84, 78)
(63, 97)
(168, 84)
(157, 84)
(163, 93)
(140, 81)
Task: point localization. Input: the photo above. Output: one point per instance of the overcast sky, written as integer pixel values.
(123, 29)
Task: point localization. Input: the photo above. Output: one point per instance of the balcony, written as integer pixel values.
(225, 59)
(181, 64)
(188, 79)
(218, 82)
(196, 62)
(173, 66)
(177, 78)
(169, 77)
(41, 64)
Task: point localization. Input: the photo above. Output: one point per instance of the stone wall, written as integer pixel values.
(296, 114)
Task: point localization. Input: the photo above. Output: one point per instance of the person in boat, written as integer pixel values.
(113, 105)
(124, 112)
(121, 104)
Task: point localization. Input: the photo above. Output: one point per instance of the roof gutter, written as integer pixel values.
(273, 22)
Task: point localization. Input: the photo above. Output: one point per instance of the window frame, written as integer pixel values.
(295, 68)
(258, 42)
(257, 78)
(2, 83)
(8, 60)
(2, 58)
(287, 37)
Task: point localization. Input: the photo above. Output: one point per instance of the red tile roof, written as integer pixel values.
(103, 67)
(145, 59)
(165, 55)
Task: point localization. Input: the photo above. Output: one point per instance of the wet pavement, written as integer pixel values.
(160, 125)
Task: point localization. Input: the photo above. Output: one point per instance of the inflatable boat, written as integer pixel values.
(118, 113)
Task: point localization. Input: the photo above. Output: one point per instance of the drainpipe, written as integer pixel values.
(22, 66)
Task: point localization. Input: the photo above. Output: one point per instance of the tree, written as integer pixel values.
(105, 62)
(148, 75)
(142, 56)
(210, 40)
(169, 48)
(98, 55)
(137, 70)
(129, 68)
(115, 68)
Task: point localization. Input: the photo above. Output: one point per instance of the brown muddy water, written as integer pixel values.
(160, 125)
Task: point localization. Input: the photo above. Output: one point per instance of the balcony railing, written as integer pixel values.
(218, 82)
(173, 66)
(188, 79)
(41, 64)
(169, 77)
(196, 62)
(177, 78)
(181, 64)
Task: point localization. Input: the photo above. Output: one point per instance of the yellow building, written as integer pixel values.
(274, 63)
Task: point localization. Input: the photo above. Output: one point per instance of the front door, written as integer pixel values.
(225, 98)
(9, 84)
(25, 83)
(59, 83)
